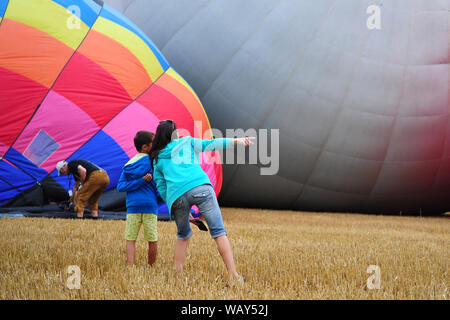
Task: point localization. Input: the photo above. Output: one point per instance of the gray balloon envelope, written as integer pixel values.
(359, 95)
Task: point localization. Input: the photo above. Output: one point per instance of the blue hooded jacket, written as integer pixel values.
(142, 196)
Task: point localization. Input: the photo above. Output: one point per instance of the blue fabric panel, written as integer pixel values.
(26, 165)
(106, 153)
(89, 10)
(7, 192)
(15, 177)
(3, 5)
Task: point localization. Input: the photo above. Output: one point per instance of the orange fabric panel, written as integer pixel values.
(117, 61)
(31, 52)
(186, 97)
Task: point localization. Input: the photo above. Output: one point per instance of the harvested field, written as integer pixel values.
(281, 254)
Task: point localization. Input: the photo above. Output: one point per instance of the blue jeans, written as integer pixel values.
(205, 199)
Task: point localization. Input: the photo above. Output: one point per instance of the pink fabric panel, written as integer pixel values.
(124, 126)
(208, 167)
(65, 122)
(3, 149)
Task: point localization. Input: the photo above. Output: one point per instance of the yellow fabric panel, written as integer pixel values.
(171, 72)
(133, 43)
(49, 17)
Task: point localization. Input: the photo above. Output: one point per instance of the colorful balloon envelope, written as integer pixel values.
(77, 81)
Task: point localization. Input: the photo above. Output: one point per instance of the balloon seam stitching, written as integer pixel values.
(411, 24)
(341, 103)
(257, 28)
(226, 188)
(126, 8)
(21, 191)
(185, 23)
(288, 81)
(435, 184)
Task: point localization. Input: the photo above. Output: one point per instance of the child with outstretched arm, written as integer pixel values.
(182, 183)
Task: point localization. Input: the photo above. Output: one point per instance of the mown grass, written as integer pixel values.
(281, 254)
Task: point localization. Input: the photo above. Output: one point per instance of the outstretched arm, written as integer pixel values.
(220, 143)
(246, 141)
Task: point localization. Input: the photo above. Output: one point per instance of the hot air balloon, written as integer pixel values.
(362, 111)
(77, 81)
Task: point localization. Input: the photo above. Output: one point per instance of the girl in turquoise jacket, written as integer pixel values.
(182, 183)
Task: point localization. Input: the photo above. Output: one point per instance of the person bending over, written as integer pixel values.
(92, 179)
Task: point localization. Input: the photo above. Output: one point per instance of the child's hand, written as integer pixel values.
(148, 177)
(243, 141)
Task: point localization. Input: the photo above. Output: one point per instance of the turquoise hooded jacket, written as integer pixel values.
(177, 168)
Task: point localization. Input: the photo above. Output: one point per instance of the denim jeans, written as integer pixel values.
(205, 199)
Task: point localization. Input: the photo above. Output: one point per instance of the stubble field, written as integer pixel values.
(281, 254)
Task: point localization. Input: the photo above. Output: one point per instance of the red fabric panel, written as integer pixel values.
(165, 105)
(116, 60)
(92, 89)
(19, 97)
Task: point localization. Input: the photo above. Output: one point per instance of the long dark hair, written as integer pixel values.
(163, 136)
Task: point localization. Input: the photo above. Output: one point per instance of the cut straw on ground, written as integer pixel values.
(281, 254)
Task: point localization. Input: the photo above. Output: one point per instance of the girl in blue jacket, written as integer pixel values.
(182, 183)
